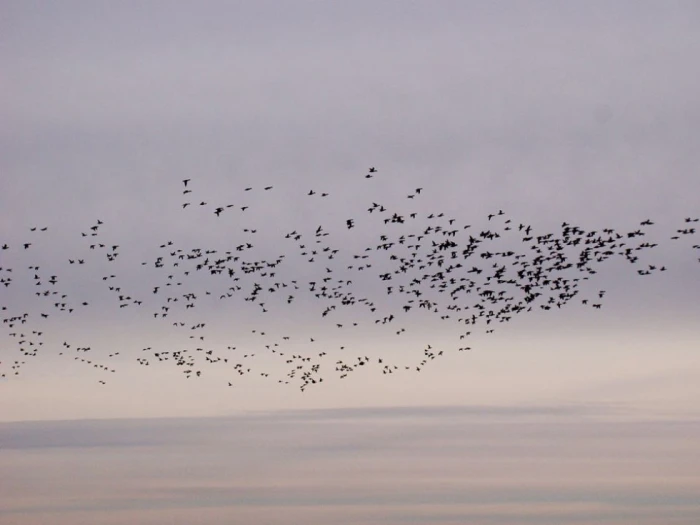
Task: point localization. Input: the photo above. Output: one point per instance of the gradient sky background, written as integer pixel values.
(552, 111)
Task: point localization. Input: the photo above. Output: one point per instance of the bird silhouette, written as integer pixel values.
(410, 264)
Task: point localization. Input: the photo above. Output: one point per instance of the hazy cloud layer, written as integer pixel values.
(545, 464)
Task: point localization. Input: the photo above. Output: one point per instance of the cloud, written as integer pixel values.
(565, 464)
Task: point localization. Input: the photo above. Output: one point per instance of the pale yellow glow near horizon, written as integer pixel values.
(647, 372)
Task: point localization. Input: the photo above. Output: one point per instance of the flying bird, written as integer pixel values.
(411, 263)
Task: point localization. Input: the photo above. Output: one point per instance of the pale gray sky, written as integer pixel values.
(578, 112)
(552, 112)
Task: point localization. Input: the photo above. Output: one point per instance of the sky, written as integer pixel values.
(553, 112)
(572, 464)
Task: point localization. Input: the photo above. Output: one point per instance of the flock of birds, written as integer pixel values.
(417, 263)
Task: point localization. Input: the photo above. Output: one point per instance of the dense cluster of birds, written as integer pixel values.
(416, 263)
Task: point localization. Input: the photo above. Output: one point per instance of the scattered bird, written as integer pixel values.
(425, 263)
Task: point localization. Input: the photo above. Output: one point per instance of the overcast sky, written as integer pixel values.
(578, 112)
(551, 112)
(565, 464)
